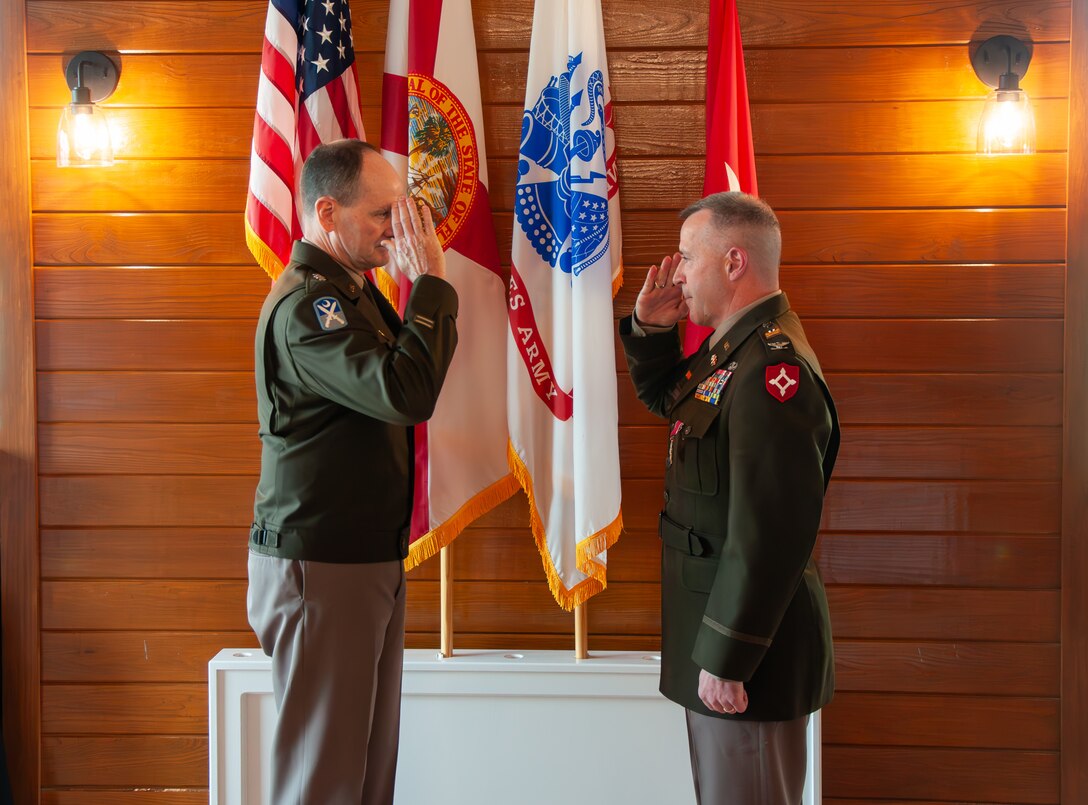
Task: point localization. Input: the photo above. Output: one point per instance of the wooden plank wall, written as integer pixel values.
(930, 280)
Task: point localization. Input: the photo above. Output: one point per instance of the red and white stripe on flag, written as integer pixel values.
(432, 131)
(306, 96)
(566, 269)
(730, 154)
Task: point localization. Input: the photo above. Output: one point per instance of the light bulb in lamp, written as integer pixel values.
(83, 135)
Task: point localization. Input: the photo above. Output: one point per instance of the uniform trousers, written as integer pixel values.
(747, 762)
(335, 633)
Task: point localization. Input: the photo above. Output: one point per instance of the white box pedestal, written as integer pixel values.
(491, 728)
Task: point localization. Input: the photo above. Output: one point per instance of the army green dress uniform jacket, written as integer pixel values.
(340, 380)
(753, 436)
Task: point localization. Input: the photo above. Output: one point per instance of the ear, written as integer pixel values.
(324, 209)
(736, 263)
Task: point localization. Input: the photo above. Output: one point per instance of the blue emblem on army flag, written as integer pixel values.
(562, 194)
(330, 316)
(710, 390)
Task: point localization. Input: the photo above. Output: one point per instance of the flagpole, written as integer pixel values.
(581, 647)
(446, 595)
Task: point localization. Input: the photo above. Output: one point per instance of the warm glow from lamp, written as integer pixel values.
(1007, 125)
(83, 135)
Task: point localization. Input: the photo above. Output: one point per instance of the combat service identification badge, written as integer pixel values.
(783, 380)
(330, 316)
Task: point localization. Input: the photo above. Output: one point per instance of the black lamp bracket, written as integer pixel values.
(998, 56)
(95, 71)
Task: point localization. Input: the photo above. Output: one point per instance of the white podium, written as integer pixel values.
(489, 728)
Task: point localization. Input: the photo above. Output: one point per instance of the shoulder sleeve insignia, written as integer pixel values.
(783, 380)
(330, 316)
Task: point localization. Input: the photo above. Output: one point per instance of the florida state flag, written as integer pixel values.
(566, 269)
(432, 130)
(730, 155)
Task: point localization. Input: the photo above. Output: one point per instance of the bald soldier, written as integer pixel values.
(746, 637)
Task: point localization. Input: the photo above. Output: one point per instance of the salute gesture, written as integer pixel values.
(660, 303)
(416, 249)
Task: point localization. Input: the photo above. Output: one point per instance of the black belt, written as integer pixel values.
(684, 538)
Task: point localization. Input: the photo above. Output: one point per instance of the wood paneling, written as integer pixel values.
(868, 236)
(18, 455)
(508, 554)
(169, 396)
(932, 283)
(1006, 669)
(830, 182)
(120, 796)
(961, 774)
(1074, 778)
(997, 507)
(144, 709)
(146, 656)
(129, 760)
(982, 722)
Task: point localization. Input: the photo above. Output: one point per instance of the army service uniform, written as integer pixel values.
(752, 442)
(340, 381)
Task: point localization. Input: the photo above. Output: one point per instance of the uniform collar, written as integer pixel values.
(317, 260)
(716, 354)
(732, 319)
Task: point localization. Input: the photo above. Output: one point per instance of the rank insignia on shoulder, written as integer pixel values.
(330, 316)
(783, 380)
(424, 321)
(770, 330)
(318, 277)
(710, 390)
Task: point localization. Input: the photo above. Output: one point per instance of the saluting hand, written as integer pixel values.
(660, 303)
(416, 249)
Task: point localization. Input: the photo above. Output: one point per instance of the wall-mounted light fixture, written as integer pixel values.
(83, 136)
(1007, 125)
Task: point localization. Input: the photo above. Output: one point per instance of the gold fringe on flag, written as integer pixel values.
(388, 286)
(586, 551)
(266, 258)
(478, 505)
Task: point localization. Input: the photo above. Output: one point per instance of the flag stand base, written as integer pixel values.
(489, 727)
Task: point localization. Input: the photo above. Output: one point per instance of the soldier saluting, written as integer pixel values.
(753, 434)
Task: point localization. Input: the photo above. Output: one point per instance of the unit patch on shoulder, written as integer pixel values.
(330, 316)
(783, 380)
(710, 390)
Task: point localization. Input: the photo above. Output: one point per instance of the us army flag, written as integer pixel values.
(432, 130)
(566, 269)
(730, 154)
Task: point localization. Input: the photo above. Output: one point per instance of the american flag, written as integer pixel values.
(307, 96)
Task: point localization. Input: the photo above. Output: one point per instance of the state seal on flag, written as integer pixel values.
(443, 160)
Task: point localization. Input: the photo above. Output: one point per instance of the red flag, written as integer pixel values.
(432, 132)
(730, 155)
(306, 96)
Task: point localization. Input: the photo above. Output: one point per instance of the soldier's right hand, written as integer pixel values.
(415, 248)
(660, 303)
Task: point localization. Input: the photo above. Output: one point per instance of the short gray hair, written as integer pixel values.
(733, 209)
(746, 215)
(334, 170)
